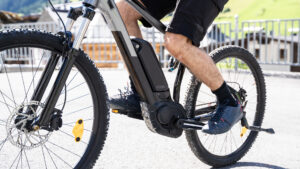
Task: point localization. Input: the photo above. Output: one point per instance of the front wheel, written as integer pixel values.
(82, 103)
(241, 72)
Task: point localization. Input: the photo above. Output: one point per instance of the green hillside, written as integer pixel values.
(260, 9)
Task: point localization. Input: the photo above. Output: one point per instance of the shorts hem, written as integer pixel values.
(194, 32)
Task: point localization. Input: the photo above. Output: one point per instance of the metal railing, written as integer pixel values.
(272, 42)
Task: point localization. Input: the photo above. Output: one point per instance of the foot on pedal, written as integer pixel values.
(126, 102)
(224, 118)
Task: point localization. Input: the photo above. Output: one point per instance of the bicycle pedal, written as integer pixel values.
(78, 130)
(257, 128)
(128, 113)
(190, 124)
(117, 111)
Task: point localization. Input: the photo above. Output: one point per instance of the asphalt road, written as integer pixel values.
(130, 145)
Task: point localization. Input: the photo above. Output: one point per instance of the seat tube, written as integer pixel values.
(114, 21)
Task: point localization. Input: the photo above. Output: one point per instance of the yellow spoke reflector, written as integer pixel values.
(244, 129)
(78, 130)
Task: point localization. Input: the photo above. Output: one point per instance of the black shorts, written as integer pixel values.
(191, 18)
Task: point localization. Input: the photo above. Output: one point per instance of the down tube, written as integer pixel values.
(134, 67)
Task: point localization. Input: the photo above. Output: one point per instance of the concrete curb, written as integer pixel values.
(292, 75)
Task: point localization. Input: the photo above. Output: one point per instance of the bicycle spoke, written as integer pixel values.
(38, 134)
(224, 143)
(215, 144)
(206, 139)
(34, 74)
(33, 86)
(22, 80)
(214, 137)
(20, 156)
(44, 157)
(3, 142)
(67, 114)
(50, 156)
(13, 97)
(233, 139)
(16, 158)
(64, 149)
(71, 136)
(72, 99)
(73, 126)
(3, 94)
(72, 78)
(76, 121)
(57, 156)
(210, 95)
(68, 90)
(20, 153)
(27, 159)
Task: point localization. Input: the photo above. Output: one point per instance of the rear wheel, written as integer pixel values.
(241, 71)
(83, 100)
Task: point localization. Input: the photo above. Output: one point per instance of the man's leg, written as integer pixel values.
(188, 27)
(203, 67)
(197, 60)
(130, 17)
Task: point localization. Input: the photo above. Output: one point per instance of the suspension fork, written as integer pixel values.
(44, 80)
(68, 62)
(40, 89)
(57, 87)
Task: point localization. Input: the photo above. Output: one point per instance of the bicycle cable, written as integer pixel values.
(64, 26)
(65, 31)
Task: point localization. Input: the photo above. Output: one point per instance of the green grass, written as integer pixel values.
(257, 10)
(260, 9)
(230, 63)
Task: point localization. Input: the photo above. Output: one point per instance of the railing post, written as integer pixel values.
(236, 17)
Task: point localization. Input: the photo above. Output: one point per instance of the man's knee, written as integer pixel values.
(176, 44)
(127, 13)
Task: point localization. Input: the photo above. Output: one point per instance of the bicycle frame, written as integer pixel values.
(114, 21)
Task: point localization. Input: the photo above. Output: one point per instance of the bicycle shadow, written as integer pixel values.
(252, 164)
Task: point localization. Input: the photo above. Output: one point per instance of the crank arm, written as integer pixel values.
(257, 128)
(189, 124)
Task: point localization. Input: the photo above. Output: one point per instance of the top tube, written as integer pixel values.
(140, 9)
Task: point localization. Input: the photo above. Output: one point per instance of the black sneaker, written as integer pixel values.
(126, 102)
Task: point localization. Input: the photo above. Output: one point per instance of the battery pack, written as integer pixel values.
(151, 66)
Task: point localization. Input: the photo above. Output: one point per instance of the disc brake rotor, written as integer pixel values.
(17, 132)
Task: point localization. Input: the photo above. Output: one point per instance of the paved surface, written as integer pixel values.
(130, 145)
